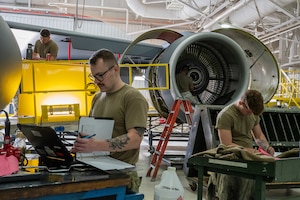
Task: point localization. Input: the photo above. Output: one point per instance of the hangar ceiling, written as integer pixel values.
(274, 22)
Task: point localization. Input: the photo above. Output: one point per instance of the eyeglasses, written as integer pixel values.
(99, 77)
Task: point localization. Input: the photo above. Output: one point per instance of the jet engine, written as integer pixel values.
(222, 64)
(10, 64)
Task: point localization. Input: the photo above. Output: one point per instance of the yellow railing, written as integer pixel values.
(140, 66)
(49, 87)
(288, 92)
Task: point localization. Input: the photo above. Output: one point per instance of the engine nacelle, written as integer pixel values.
(10, 64)
(223, 65)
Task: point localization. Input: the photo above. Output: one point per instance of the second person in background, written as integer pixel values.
(44, 47)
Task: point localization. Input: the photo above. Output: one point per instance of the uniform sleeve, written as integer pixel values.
(224, 121)
(257, 121)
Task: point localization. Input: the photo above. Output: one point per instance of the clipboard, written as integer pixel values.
(103, 128)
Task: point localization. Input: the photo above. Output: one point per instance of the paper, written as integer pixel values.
(103, 129)
(9, 165)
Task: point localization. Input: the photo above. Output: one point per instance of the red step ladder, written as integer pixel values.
(165, 135)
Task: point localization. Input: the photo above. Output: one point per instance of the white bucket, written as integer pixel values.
(170, 187)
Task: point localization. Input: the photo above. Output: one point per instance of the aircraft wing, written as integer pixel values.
(83, 45)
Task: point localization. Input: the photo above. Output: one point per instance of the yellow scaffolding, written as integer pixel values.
(52, 91)
(287, 94)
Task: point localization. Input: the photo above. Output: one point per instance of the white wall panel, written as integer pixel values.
(101, 29)
(44, 21)
(83, 26)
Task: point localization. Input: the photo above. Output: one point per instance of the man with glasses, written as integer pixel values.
(45, 48)
(237, 125)
(126, 105)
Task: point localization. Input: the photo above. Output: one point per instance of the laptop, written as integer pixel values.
(55, 155)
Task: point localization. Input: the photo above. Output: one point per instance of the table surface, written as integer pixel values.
(62, 183)
(280, 170)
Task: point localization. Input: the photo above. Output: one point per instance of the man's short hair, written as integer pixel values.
(45, 33)
(255, 101)
(105, 54)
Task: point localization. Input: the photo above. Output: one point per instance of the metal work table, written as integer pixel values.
(69, 185)
(283, 170)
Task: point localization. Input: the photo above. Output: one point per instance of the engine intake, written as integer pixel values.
(223, 64)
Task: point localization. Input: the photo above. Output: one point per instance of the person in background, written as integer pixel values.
(45, 45)
(185, 85)
(126, 105)
(237, 125)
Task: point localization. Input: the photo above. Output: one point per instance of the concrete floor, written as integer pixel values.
(147, 187)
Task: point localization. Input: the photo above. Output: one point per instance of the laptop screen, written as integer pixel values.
(53, 153)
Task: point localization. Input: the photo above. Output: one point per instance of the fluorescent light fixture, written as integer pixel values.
(226, 25)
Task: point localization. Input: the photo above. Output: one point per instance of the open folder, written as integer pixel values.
(102, 128)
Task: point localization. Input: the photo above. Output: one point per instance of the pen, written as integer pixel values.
(88, 136)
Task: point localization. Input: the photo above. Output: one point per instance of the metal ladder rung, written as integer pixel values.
(161, 147)
(152, 166)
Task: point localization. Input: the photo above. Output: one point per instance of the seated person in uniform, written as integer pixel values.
(45, 45)
(238, 124)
